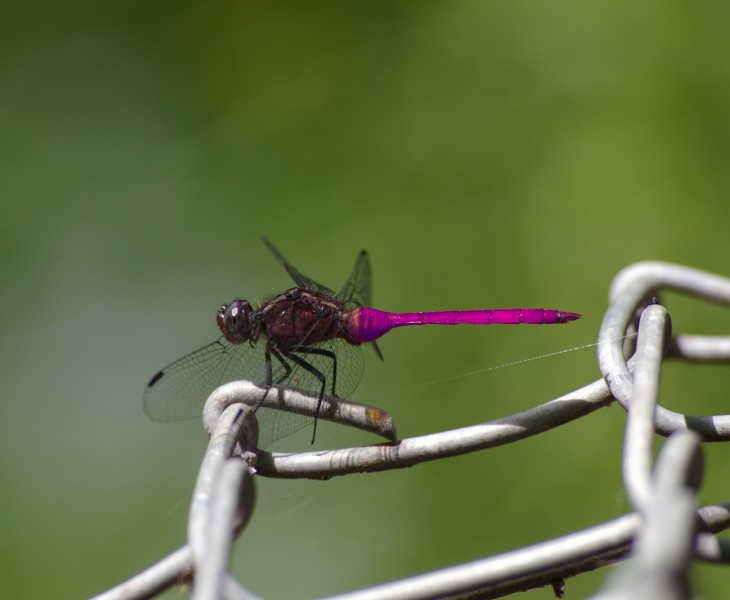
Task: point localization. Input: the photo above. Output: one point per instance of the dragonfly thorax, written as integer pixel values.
(234, 321)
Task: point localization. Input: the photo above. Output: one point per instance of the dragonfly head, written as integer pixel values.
(234, 321)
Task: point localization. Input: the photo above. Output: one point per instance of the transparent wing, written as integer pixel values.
(301, 280)
(358, 288)
(180, 390)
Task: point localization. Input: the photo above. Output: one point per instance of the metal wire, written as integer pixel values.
(629, 291)
(637, 455)
(661, 538)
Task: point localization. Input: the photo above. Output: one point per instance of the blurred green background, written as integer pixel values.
(487, 155)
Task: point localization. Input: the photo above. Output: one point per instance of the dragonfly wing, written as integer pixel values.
(180, 390)
(301, 280)
(358, 289)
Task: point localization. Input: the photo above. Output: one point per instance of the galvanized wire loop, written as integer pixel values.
(223, 499)
(665, 539)
(637, 454)
(435, 446)
(664, 534)
(359, 416)
(629, 289)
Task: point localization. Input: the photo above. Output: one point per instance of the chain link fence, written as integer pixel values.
(657, 542)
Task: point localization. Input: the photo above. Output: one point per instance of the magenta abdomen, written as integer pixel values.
(368, 324)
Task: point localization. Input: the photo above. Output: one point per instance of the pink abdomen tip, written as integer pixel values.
(564, 317)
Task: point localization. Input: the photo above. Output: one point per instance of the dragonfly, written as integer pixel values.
(309, 337)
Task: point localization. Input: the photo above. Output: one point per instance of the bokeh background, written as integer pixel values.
(486, 154)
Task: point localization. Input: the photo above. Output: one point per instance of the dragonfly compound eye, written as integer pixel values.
(234, 321)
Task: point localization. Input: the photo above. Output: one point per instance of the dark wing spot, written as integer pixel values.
(155, 378)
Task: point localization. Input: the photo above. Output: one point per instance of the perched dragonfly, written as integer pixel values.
(308, 337)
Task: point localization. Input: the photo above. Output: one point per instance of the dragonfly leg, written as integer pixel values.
(284, 363)
(378, 353)
(269, 372)
(329, 354)
(319, 375)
